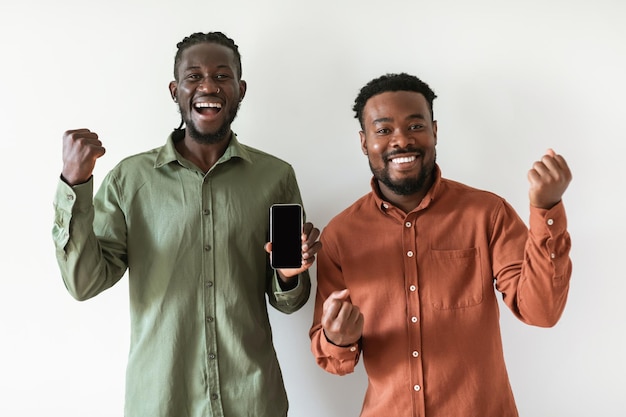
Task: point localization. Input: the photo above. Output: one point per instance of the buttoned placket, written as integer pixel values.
(414, 358)
(209, 289)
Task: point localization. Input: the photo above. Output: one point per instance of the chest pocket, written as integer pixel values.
(454, 279)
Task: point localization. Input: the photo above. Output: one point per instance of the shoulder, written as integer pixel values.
(267, 165)
(135, 168)
(138, 160)
(463, 193)
(259, 156)
(359, 211)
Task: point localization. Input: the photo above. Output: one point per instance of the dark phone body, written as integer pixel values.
(285, 235)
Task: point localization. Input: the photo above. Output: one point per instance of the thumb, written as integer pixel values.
(340, 295)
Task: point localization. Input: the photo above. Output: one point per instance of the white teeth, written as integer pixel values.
(208, 105)
(403, 160)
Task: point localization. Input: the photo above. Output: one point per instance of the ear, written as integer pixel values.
(173, 90)
(363, 142)
(243, 86)
(435, 130)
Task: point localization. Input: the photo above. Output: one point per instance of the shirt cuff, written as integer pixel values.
(80, 195)
(342, 353)
(550, 222)
(288, 297)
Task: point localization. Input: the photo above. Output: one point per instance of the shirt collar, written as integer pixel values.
(432, 193)
(168, 153)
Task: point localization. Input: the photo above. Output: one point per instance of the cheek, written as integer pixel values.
(375, 147)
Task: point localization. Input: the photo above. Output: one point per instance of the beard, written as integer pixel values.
(405, 186)
(219, 134)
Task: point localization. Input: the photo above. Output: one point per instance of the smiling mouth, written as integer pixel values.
(207, 108)
(403, 159)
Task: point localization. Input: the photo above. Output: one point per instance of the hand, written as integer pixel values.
(341, 320)
(81, 148)
(548, 179)
(310, 246)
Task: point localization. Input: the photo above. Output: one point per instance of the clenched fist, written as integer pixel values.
(341, 320)
(548, 179)
(81, 148)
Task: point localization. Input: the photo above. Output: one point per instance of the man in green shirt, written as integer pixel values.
(189, 221)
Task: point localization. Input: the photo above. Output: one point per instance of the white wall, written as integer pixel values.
(513, 78)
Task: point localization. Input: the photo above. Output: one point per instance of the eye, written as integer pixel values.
(193, 76)
(383, 131)
(222, 76)
(416, 127)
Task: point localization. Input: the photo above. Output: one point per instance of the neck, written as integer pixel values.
(406, 203)
(203, 155)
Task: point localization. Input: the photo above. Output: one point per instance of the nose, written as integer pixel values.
(401, 139)
(208, 85)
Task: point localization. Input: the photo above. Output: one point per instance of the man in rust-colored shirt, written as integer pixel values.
(406, 274)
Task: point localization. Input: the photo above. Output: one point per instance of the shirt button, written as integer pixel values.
(415, 354)
(209, 283)
(214, 396)
(414, 319)
(416, 387)
(353, 349)
(206, 211)
(211, 355)
(385, 205)
(412, 288)
(550, 222)
(409, 254)
(209, 319)
(552, 255)
(207, 248)
(407, 224)
(70, 197)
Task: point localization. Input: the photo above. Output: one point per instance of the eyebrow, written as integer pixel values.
(195, 67)
(390, 119)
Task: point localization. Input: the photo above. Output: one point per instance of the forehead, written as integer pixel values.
(207, 54)
(395, 105)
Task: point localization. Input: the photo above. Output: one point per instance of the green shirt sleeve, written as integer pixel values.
(86, 266)
(293, 299)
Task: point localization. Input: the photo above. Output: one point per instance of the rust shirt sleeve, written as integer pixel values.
(537, 291)
(337, 360)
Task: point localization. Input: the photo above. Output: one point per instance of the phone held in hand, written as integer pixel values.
(285, 235)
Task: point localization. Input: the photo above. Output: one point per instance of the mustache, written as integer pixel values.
(407, 150)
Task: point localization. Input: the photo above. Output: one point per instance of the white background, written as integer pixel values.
(513, 78)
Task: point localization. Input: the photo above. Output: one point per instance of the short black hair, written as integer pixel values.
(210, 37)
(392, 82)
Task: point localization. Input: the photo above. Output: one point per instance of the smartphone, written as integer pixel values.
(285, 235)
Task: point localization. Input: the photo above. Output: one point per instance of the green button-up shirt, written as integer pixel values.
(201, 342)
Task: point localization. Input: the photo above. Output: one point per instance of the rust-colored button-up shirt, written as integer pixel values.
(424, 282)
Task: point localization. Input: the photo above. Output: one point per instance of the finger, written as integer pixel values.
(80, 134)
(310, 250)
(345, 311)
(340, 295)
(349, 313)
(330, 312)
(311, 236)
(540, 169)
(533, 177)
(73, 131)
(555, 162)
(563, 166)
(268, 247)
(335, 299)
(306, 228)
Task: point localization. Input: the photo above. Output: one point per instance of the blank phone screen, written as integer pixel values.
(285, 235)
